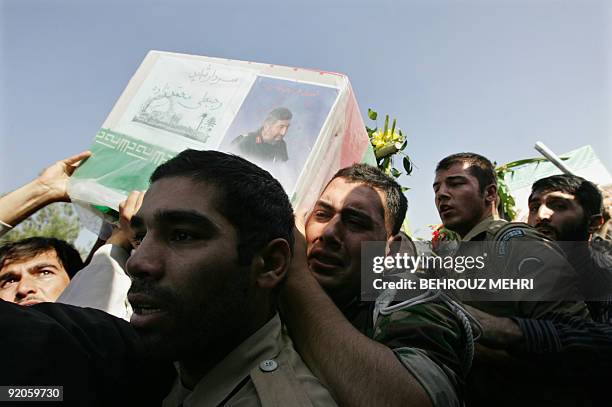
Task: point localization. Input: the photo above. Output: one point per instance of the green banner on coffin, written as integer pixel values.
(121, 162)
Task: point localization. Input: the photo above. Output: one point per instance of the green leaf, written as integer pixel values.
(386, 124)
(518, 163)
(407, 165)
(393, 126)
(395, 172)
(372, 114)
(385, 164)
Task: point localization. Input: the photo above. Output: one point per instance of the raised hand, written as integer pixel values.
(54, 179)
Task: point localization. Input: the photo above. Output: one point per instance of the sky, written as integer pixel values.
(488, 76)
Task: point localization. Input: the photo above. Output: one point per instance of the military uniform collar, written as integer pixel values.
(213, 388)
(482, 227)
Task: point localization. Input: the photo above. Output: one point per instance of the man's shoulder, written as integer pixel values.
(286, 380)
(502, 231)
(426, 317)
(243, 139)
(498, 226)
(430, 341)
(601, 251)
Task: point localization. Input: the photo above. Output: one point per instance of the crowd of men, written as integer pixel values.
(210, 292)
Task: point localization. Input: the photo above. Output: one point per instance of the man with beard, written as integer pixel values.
(414, 355)
(569, 209)
(566, 208)
(214, 236)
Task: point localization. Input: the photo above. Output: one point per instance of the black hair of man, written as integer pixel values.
(249, 197)
(479, 167)
(397, 204)
(280, 113)
(587, 194)
(30, 247)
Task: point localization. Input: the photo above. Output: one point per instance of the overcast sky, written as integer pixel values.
(486, 76)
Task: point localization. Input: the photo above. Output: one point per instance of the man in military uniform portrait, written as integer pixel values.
(266, 144)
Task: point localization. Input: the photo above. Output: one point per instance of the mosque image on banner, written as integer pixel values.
(301, 125)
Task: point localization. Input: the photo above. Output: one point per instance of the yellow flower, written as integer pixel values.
(380, 138)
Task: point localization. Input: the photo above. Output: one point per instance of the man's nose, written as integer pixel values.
(544, 212)
(442, 193)
(26, 287)
(333, 233)
(146, 262)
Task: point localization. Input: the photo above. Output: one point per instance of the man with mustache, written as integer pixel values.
(214, 238)
(215, 235)
(570, 355)
(413, 356)
(565, 208)
(569, 209)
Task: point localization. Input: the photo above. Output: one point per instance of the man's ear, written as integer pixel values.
(595, 222)
(270, 265)
(490, 194)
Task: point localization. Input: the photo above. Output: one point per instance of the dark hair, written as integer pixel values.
(249, 197)
(479, 167)
(25, 249)
(587, 193)
(280, 113)
(397, 204)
